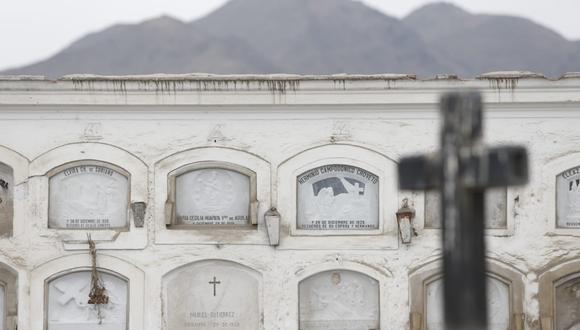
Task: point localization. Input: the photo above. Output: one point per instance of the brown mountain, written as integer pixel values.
(318, 37)
(483, 43)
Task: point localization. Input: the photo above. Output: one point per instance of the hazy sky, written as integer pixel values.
(31, 30)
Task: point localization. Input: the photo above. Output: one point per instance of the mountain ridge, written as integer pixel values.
(317, 37)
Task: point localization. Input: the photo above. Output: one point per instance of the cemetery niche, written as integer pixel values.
(337, 197)
(8, 298)
(212, 194)
(339, 300)
(495, 209)
(498, 304)
(6, 199)
(89, 196)
(212, 294)
(567, 292)
(568, 198)
(68, 305)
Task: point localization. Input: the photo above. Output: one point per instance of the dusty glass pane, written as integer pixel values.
(338, 197)
(88, 197)
(68, 307)
(568, 199)
(6, 200)
(568, 304)
(212, 196)
(498, 305)
(339, 300)
(495, 209)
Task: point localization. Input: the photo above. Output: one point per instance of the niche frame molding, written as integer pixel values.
(43, 273)
(20, 166)
(383, 279)
(551, 170)
(431, 271)
(386, 237)
(548, 280)
(509, 230)
(259, 275)
(245, 162)
(69, 155)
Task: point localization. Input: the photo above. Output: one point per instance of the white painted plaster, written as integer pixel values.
(274, 126)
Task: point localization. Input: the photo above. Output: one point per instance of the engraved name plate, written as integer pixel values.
(338, 197)
(568, 199)
(212, 295)
(212, 196)
(88, 197)
(339, 300)
(6, 199)
(568, 304)
(495, 209)
(498, 305)
(68, 307)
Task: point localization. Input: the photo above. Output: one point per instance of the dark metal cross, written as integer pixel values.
(462, 170)
(214, 282)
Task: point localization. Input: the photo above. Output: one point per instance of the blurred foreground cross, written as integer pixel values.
(462, 170)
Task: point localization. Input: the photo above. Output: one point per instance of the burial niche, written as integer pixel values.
(568, 198)
(339, 300)
(337, 198)
(498, 304)
(88, 196)
(212, 294)
(213, 194)
(568, 303)
(6, 200)
(495, 209)
(68, 307)
(8, 298)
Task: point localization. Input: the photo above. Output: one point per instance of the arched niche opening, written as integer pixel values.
(67, 302)
(339, 299)
(8, 298)
(335, 198)
(212, 294)
(505, 292)
(216, 194)
(498, 304)
(6, 199)
(559, 297)
(88, 195)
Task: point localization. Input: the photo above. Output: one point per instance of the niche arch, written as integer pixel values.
(56, 160)
(555, 195)
(559, 291)
(10, 294)
(327, 272)
(42, 275)
(500, 275)
(14, 169)
(369, 160)
(212, 291)
(256, 168)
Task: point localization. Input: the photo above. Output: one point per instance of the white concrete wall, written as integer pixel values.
(138, 123)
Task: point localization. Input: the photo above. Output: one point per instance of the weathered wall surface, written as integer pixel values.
(137, 123)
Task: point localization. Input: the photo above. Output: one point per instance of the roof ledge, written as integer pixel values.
(22, 78)
(511, 75)
(236, 77)
(568, 75)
